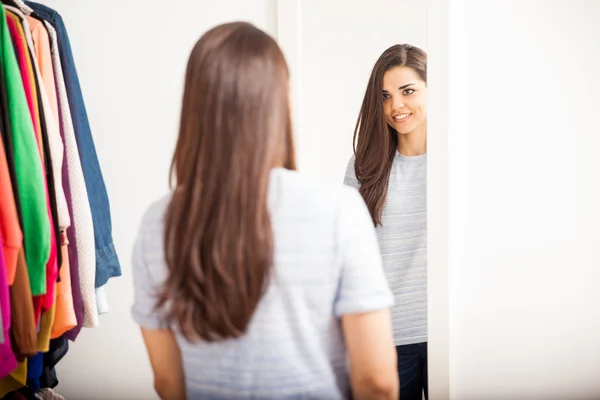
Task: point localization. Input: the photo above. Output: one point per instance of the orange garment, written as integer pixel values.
(43, 55)
(12, 236)
(64, 317)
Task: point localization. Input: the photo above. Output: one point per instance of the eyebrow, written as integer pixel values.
(401, 87)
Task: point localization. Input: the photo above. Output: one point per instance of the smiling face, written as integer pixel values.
(404, 100)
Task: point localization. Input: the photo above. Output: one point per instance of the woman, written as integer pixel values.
(389, 167)
(252, 281)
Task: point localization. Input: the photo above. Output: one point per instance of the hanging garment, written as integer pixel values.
(23, 326)
(10, 229)
(47, 301)
(58, 349)
(28, 168)
(8, 362)
(72, 175)
(64, 313)
(50, 130)
(107, 262)
(15, 381)
(31, 205)
(81, 213)
(35, 366)
(39, 46)
(49, 394)
(46, 281)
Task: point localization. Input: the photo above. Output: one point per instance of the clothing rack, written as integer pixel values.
(57, 252)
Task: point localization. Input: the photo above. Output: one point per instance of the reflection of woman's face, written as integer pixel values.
(404, 100)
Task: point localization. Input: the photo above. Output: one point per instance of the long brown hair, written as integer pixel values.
(375, 143)
(235, 127)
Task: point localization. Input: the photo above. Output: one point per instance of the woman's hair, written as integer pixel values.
(235, 127)
(375, 143)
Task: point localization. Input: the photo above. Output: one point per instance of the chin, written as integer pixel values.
(404, 131)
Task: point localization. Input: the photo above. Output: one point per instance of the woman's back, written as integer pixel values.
(247, 274)
(326, 264)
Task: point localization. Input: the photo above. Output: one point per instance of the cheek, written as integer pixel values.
(387, 110)
(423, 113)
(421, 105)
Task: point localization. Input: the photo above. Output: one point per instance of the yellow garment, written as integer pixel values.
(16, 380)
(46, 323)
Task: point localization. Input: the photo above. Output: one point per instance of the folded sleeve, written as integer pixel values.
(350, 175)
(145, 289)
(363, 286)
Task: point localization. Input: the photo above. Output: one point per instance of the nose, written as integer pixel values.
(398, 104)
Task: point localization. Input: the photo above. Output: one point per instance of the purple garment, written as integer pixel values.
(8, 362)
(72, 247)
(72, 251)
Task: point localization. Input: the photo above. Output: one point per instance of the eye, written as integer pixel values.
(408, 92)
(386, 96)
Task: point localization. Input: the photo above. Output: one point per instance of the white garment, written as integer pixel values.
(52, 128)
(24, 8)
(101, 300)
(82, 214)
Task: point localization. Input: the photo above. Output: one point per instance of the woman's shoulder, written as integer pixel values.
(304, 191)
(307, 185)
(155, 211)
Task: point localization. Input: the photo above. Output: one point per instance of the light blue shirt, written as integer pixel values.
(326, 264)
(403, 243)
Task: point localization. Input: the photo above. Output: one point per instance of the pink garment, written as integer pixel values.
(8, 362)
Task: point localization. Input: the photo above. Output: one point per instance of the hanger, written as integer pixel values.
(24, 8)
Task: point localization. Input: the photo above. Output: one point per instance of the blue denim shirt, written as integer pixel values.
(107, 261)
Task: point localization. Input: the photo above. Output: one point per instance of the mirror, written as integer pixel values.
(334, 48)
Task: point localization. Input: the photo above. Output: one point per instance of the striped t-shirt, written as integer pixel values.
(326, 264)
(403, 243)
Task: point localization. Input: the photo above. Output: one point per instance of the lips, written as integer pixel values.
(401, 117)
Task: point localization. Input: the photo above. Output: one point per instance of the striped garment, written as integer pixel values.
(327, 264)
(403, 244)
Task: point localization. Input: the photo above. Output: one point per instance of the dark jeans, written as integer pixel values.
(412, 369)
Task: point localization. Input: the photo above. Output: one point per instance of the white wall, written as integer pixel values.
(523, 194)
(131, 68)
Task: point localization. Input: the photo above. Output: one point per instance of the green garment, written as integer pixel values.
(30, 180)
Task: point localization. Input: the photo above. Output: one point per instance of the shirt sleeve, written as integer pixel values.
(350, 176)
(363, 286)
(143, 309)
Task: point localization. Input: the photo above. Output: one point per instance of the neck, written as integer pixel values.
(414, 143)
